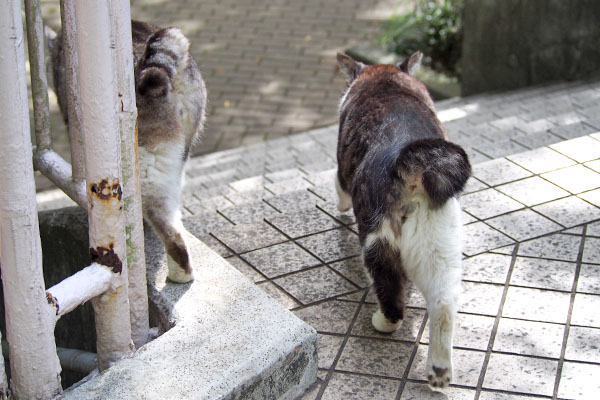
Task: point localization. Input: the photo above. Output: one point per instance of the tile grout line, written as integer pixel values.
(567, 329)
(342, 347)
(490, 347)
(416, 345)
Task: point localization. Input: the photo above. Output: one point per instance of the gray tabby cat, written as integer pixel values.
(171, 102)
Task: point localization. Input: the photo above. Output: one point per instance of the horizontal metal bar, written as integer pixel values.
(55, 168)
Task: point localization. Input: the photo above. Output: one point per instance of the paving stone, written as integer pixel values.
(303, 223)
(501, 148)
(536, 305)
(503, 396)
(579, 381)
(488, 203)
(348, 386)
(408, 330)
(569, 211)
(416, 391)
(595, 165)
(470, 331)
(486, 267)
(294, 201)
(246, 269)
(581, 149)
(535, 375)
(583, 344)
(278, 295)
(557, 246)
(529, 338)
(332, 316)
(537, 140)
(479, 237)
(480, 298)
(280, 259)
(591, 251)
(541, 160)
(249, 213)
(332, 245)
(328, 348)
(466, 366)
(593, 196)
(543, 274)
(589, 279)
(353, 269)
(575, 179)
(375, 356)
(593, 229)
(314, 285)
(248, 197)
(524, 224)
(499, 171)
(585, 310)
(532, 191)
(474, 185)
(243, 238)
(573, 130)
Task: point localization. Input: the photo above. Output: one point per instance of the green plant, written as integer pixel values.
(435, 28)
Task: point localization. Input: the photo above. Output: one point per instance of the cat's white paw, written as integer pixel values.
(439, 376)
(176, 273)
(382, 324)
(345, 201)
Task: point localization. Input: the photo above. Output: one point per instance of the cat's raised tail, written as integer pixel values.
(165, 58)
(440, 167)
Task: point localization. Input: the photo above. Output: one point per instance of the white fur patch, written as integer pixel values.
(176, 273)
(345, 201)
(382, 324)
(430, 247)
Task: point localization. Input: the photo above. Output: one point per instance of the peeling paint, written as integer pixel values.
(105, 190)
(52, 301)
(107, 257)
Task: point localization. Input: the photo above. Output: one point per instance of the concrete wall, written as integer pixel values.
(514, 43)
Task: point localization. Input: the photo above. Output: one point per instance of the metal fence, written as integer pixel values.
(103, 179)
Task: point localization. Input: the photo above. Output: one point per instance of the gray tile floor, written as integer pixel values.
(528, 325)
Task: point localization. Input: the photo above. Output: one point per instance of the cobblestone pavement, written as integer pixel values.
(528, 324)
(269, 65)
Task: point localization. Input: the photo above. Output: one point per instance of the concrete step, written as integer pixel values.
(226, 339)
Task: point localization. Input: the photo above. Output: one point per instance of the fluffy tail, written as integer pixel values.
(165, 57)
(440, 167)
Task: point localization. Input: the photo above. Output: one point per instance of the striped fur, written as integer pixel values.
(171, 102)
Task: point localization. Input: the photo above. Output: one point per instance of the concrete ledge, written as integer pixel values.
(228, 340)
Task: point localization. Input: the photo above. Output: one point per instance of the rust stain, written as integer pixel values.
(107, 257)
(52, 301)
(106, 191)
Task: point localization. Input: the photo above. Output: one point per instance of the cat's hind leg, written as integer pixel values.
(389, 282)
(167, 224)
(344, 199)
(441, 295)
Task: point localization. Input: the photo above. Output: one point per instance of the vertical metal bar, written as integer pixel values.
(35, 369)
(39, 84)
(3, 381)
(70, 63)
(100, 126)
(136, 260)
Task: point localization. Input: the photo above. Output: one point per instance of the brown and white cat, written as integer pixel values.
(171, 102)
(402, 177)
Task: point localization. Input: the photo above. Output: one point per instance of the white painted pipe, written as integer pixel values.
(55, 168)
(136, 259)
(71, 65)
(35, 370)
(102, 149)
(39, 84)
(80, 287)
